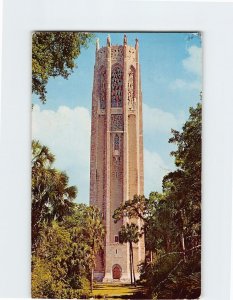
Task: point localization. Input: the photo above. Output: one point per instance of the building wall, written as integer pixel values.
(116, 170)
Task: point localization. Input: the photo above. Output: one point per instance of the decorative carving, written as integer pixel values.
(117, 123)
(102, 89)
(117, 53)
(101, 56)
(117, 87)
(131, 54)
(117, 165)
(131, 88)
(125, 39)
(116, 142)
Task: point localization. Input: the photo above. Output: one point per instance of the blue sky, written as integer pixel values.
(171, 83)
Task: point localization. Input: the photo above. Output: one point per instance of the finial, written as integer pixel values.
(125, 39)
(108, 40)
(97, 44)
(136, 43)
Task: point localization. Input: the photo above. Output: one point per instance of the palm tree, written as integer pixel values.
(95, 233)
(52, 198)
(129, 234)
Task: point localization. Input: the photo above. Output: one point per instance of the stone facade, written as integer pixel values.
(116, 166)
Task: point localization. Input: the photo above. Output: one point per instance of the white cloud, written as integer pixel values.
(154, 171)
(185, 85)
(157, 120)
(67, 133)
(194, 61)
(193, 65)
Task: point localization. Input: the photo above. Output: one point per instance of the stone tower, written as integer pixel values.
(116, 166)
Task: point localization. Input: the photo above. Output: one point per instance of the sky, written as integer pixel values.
(171, 75)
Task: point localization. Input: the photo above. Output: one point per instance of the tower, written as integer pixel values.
(116, 165)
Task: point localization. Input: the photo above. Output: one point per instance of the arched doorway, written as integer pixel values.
(116, 272)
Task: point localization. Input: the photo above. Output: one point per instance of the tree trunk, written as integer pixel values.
(183, 245)
(145, 230)
(92, 277)
(151, 255)
(130, 264)
(131, 250)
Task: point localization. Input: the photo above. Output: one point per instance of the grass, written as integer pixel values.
(116, 291)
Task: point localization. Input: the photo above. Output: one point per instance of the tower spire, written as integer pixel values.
(108, 40)
(136, 43)
(125, 40)
(97, 44)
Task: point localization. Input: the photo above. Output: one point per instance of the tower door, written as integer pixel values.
(116, 272)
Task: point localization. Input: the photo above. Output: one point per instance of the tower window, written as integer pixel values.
(102, 89)
(116, 239)
(117, 87)
(116, 142)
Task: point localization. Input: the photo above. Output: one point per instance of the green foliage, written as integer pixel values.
(138, 207)
(172, 220)
(129, 233)
(54, 54)
(41, 278)
(171, 277)
(174, 234)
(59, 265)
(64, 258)
(65, 236)
(52, 198)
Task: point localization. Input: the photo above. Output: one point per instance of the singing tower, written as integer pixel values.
(116, 164)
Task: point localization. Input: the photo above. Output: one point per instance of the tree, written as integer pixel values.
(184, 185)
(129, 233)
(52, 198)
(89, 219)
(63, 261)
(60, 264)
(54, 54)
(138, 207)
(176, 220)
(95, 232)
(172, 220)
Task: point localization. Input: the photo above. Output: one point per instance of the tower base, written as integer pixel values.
(125, 278)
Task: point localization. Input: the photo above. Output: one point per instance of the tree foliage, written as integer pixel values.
(65, 236)
(65, 255)
(129, 233)
(63, 261)
(54, 54)
(175, 234)
(172, 220)
(52, 197)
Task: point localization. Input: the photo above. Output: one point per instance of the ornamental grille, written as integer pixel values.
(116, 142)
(117, 123)
(102, 89)
(117, 87)
(131, 94)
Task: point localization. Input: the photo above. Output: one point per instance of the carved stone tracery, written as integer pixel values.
(117, 123)
(102, 89)
(117, 161)
(117, 87)
(117, 53)
(131, 89)
(116, 142)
